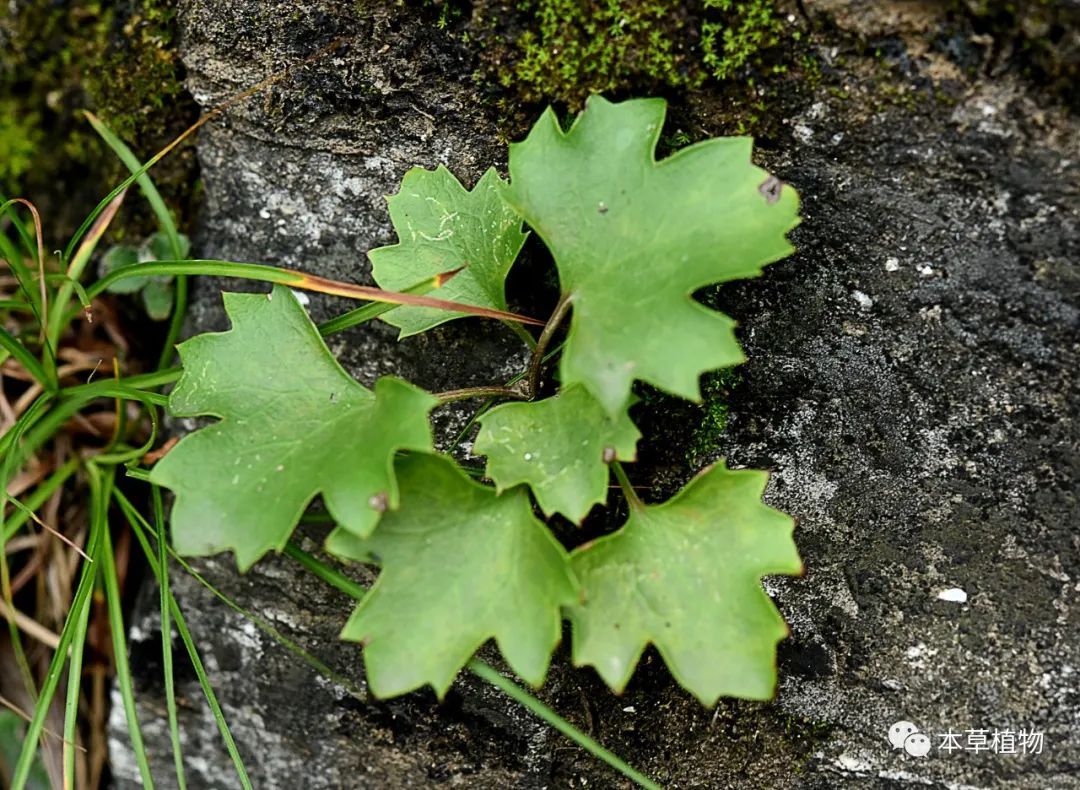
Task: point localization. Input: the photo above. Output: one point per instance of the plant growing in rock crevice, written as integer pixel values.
(463, 562)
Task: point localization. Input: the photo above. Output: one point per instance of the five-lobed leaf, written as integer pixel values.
(633, 239)
(442, 226)
(686, 576)
(560, 446)
(293, 424)
(460, 565)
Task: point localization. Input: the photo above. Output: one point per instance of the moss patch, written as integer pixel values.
(716, 388)
(562, 51)
(114, 58)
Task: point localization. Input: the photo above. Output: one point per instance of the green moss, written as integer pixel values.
(19, 141)
(716, 388)
(116, 59)
(564, 50)
(747, 28)
(140, 76)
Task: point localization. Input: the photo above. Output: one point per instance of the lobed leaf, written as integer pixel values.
(633, 239)
(686, 576)
(560, 446)
(293, 424)
(460, 565)
(443, 226)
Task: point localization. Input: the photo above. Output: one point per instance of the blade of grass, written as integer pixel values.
(176, 321)
(485, 672)
(30, 514)
(67, 635)
(9, 442)
(489, 674)
(29, 363)
(314, 661)
(307, 657)
(165, 222)
(71, 704)
(370, 311)
(295, 279)
(141, 381)
(22, 273)
(150, 192)
(37, 499)
(133, 453)
(242, 96)
(45, 426)
(140, 528)
(39, 251)
(59, 317)
(120, 656)
(166, 637)
(25, 235)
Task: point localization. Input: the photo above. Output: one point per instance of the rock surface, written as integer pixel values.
(911, 384)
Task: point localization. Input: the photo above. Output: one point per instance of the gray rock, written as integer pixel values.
(911, 384)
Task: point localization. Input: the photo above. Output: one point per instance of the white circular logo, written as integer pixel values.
(917, 744)
(899, 732)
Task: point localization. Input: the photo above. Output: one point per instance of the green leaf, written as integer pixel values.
(293, 424)
(560, 446)
(442, 226)
(118, 257)
(160, 247)
(460, 565)
(685, 576)
(157, 297)
(633, 239)
(11, 743)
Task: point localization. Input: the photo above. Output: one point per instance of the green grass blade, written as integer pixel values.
(38, 498)
(488, 673)
(307, 657)
(247, 271)
(150, 192)
(485, 672)
(294, 648)
(10, 451)
(108, 388)
(166, 638)
(71, 704)
(165, 222)
(67, 635)
(26, 235)
(354, 317)
(143, 381)
(134, 453)
(140, 527)
(59, 317)
(373, 310)
(25, 358)
(320, 569)
(211, 697)
(26, 278)
(176, 321)
(120, 656)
